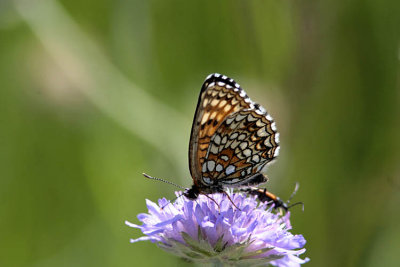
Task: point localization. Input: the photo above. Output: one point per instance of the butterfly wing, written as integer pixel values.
(232, 137)
(220, 97)
(241, 147)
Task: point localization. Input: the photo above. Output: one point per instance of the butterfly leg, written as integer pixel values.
(213, 200)
(233, 203)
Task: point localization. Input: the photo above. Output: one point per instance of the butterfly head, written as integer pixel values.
(192, 193)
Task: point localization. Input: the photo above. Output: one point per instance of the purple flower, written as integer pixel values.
(200, 231)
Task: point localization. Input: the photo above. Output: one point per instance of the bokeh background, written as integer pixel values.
(93, 93)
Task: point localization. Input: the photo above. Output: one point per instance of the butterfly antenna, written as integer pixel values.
(296, 188)
(162, 180)
(167, 182)
(297, 203)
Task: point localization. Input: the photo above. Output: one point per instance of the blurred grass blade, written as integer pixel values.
(102, 83)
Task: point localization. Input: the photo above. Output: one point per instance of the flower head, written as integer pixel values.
(200, 231)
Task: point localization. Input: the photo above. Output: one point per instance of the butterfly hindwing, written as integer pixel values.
(243, 144)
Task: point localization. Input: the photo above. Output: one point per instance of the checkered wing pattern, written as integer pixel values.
(232, 137)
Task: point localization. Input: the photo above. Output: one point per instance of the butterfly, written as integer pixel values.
(232, 140)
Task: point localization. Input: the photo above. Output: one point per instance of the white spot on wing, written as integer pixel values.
(224, 139)
(256, 158)
(277, 151)
(251, 118)
(261, 132)
(213, 115)
(214, 102)
(273, 126)
(259, 123)
(243, 145)
(222, 103)
(210, 165)
(240, 117)
(205, 118)
(224, 157)
(204, 168)
(229, 120)
(207, 180)
(242, 137)
(267, 142)
(233, 136)
(230, 169)
(217, 139)
(219, 168)
(214, 149)
(233, 125)
(262, 109)
(247, 152)
(205, 102)
(234, 144)
(248, 171)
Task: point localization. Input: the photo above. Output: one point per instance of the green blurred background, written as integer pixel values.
(93, 93)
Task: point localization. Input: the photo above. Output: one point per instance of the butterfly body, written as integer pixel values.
(232, 139)
(217, 187)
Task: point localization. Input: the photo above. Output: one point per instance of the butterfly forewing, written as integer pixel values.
(219, 97)
(232, 137)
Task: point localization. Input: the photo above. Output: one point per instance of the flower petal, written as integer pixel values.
(203, 231)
